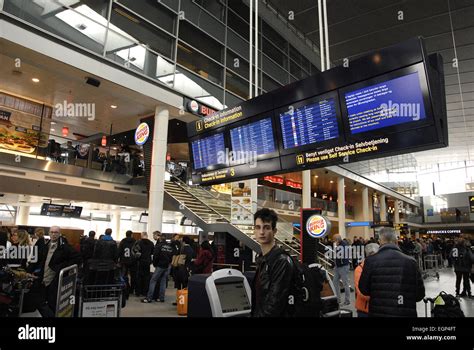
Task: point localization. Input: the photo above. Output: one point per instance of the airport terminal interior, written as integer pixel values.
(349, 119)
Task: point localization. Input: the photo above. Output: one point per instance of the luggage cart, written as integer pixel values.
(100, 300)
(431, 264)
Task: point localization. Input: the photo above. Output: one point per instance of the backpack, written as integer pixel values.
(305, 293)
(451, 307)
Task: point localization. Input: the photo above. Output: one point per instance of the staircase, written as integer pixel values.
(213, 214)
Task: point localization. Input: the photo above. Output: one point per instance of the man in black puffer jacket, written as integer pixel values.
(106, 248)
(392, 280)
(272, 282)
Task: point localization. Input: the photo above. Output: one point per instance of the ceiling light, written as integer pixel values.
(331, 182)
(53, 130)
(113, 106)
(53, 123)
(35, 80)
(355, 189)
(316, 176)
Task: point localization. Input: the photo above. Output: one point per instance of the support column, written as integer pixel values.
(116, 234)
(306, 190)
(157, 173)
(365, 210)
(22, 214)
(383, 208)
(396, 213)
(341, 208)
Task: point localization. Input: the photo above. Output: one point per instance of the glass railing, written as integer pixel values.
(117, 160)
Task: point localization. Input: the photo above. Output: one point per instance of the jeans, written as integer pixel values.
(161, 275)
(342, 273)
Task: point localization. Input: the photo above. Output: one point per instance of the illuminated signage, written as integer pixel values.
(141, 134)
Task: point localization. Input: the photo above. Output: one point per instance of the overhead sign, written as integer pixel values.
(197, 108)
(382, 224)
(5, 115)
(471, 204)
(58, 210)
(358, 224)
(141, 134)
(378, 106)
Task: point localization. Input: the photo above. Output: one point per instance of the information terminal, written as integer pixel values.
(229, 293)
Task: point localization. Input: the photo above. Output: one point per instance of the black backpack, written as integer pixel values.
(451, 307)
(305, 293)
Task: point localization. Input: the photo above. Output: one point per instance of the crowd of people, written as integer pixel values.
(129, 262)
(387, 276)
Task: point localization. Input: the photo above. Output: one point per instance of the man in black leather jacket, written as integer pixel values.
(271, 287)
(392, 280)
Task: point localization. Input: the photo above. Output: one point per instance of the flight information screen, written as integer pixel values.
(253, 139)
(392, 102)
(311, 123)
(209, 151)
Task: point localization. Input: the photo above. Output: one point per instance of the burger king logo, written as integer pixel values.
(193, 106)
(142, 133)
(317, 226)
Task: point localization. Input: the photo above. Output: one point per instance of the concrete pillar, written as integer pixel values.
(365, 210)
(341, 208)
(115, 226)
(158, 166)
(383, 207)
(22, 214)
(396, 216)
(306, 191)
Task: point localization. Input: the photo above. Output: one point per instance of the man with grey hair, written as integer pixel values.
(391, 279)
(341, 271)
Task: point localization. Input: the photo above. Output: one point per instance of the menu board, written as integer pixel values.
(391, 102)
(208, 151)
(308, 124)
(254, 138)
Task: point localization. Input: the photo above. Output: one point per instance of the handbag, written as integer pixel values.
(179, 259)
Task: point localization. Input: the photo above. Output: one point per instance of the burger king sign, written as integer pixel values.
(142, 133)
(318, 226)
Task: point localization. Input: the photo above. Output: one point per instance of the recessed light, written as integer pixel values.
(35, 80)
(53, 123)
(331, 182)
(316, 176)
(113, 106)
(52, 130)
(355, 189)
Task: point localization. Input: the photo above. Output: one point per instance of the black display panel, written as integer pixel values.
(58, 210)
(311, 123)
(391, 102)
(208, 151)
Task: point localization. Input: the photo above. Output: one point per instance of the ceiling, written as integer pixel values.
(60, 83)
(356, 27)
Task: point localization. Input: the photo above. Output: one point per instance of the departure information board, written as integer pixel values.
(254, 138)
(392, 102)
(208, 151)
(308, 124)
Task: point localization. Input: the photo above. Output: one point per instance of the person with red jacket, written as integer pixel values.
(362, 301)
(204, 260)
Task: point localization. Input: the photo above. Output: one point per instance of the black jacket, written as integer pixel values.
(463, 257)
(393, 282)
(42, 251)
(272, 284)
(146, 249)
(87, 248)
(162, 254)
(125, 250)
(106, 250)
(63, 256)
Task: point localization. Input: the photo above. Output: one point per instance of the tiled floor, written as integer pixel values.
(446, 283)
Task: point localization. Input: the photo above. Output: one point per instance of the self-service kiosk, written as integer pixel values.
(224, 293)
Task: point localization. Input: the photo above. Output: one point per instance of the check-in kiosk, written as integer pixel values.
(224, 293)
